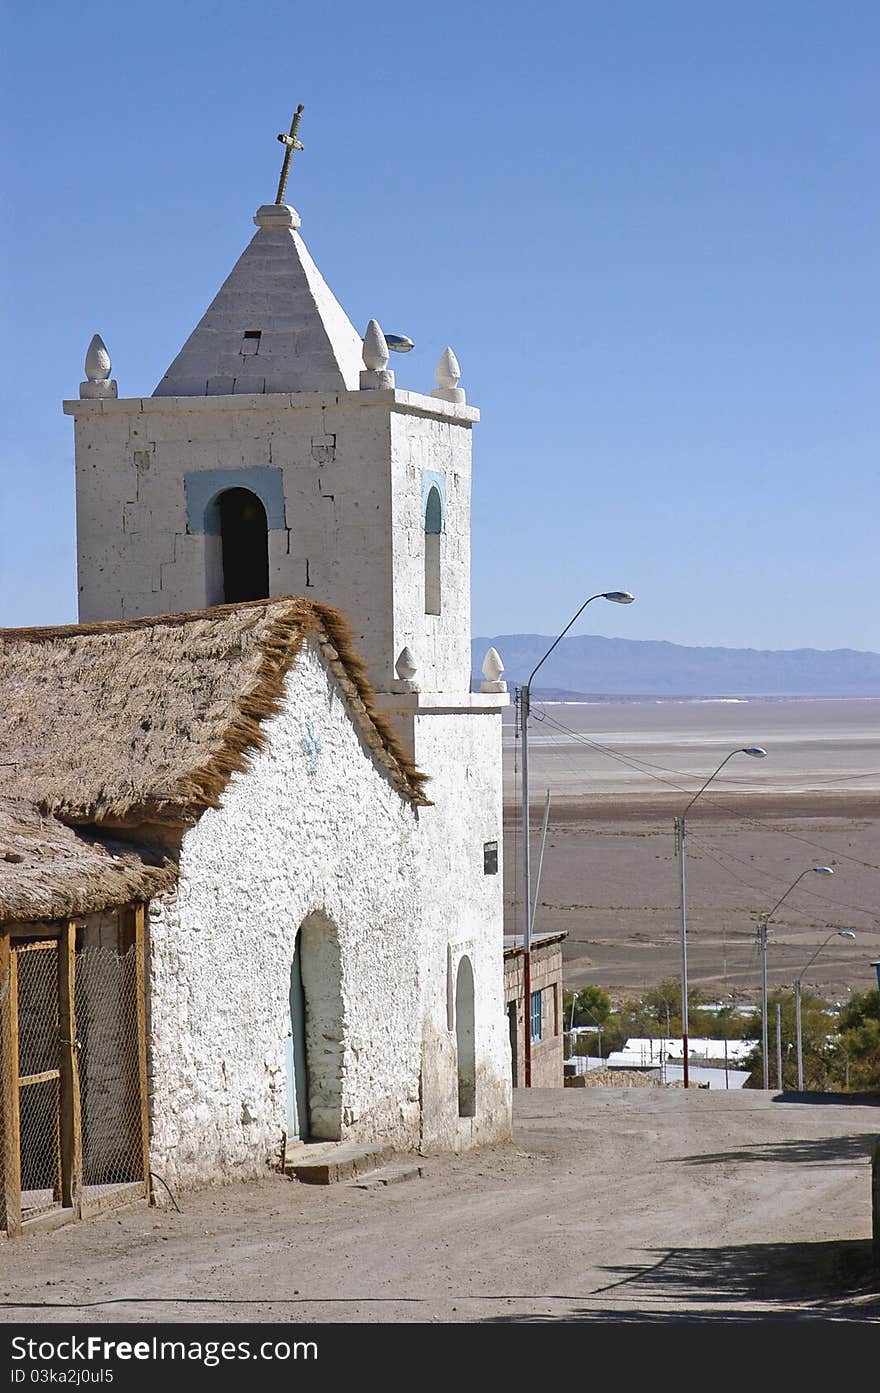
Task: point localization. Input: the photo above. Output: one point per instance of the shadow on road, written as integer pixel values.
(813, 1151)
(860, 1100)
(761, 1282)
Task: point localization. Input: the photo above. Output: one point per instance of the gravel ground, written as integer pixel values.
(610, 1205)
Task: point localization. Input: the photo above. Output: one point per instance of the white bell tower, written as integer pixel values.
(277, 456)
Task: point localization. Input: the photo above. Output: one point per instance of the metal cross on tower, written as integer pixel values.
(291, 142)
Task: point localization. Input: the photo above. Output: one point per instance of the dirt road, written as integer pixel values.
(616, 1204)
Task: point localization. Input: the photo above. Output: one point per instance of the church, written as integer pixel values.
(250, 880)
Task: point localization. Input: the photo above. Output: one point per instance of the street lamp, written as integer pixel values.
(571, 1021)
(574, 997)
(837, 933)
(757, 753)
(763, 921)
(617, 597)
(597, 1025)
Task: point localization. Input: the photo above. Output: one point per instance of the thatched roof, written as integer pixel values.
(50, 871)
(142, 720)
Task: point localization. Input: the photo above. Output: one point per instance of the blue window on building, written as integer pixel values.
(536, 1015)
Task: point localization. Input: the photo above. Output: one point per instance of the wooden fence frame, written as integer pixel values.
(132, 933)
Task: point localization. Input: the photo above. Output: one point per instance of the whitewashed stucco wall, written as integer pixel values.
(462, 915)
(347, 472)
(285, 843)
(425, 449)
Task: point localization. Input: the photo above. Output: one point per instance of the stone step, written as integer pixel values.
(327, 1163)
(391, 1174)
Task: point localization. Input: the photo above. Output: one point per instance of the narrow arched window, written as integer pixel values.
(244, 535)
(465, 1039)
(433, 529)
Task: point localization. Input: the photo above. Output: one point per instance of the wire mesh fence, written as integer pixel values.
(71, 1109)
(39, 1076)
(107, 1031)
(8, 1082)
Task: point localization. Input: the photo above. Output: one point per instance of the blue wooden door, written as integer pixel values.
(295, 1056)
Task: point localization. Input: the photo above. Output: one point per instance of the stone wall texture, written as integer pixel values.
(547, 1053)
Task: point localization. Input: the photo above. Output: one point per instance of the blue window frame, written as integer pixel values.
(535, 1006)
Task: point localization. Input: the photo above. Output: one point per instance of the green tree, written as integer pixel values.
(817, 1029)
(592, 1006)
(856, 1057)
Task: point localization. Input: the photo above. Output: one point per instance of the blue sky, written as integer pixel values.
(649, 231)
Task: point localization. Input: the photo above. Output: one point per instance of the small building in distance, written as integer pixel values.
(650, 1053)
(544, 1009)
(712, 1063)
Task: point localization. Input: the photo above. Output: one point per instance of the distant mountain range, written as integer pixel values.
(589, 667)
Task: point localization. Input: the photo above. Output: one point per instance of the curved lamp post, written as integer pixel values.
(837, 933)
(757, 753)
(763, 921)
(592, 1018)
(618, 597)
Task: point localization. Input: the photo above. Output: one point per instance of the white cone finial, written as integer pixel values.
(376, 373)
(405, 667)
(493, 673)
(493, 668)
(375, 347)
(98, 363)
(447, 374)
(98, 381)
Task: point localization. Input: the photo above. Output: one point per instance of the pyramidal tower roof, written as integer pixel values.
(274, 325)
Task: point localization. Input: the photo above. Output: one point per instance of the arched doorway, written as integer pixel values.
(316, 1042)
(464, 1038)
(244, 539)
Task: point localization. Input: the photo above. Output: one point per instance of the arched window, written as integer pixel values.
(244, 535)
(433, 529)
(464, 1039)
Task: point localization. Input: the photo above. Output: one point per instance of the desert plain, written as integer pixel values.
(619, 772)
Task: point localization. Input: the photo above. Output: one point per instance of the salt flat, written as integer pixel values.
(819, 746)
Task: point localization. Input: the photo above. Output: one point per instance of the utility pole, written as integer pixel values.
(524, 704)
(758, 753)
(619, 597)
(779, 1046)
(765, 1060)
(682, 892)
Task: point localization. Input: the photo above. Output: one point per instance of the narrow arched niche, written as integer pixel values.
(464, 1039)
(244, 546)
(433, 530)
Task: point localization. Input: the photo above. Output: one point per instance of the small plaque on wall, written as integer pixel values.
(490, 858)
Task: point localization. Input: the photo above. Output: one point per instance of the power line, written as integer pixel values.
(793, 836)
(772, 875)
(646, 767)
